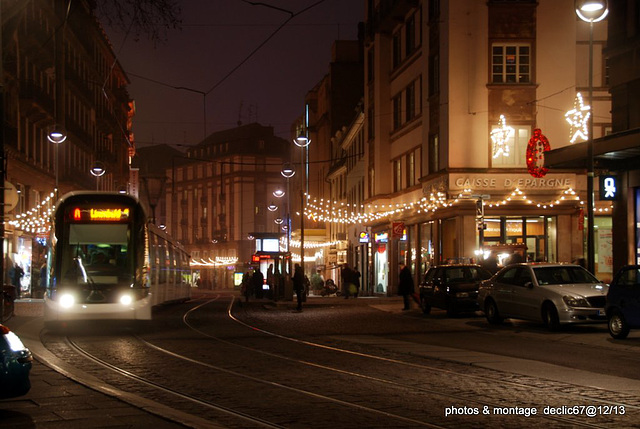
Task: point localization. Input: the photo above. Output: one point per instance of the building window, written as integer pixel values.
(396, 49)
(410, 35)
(411, 169)
(371, 123)
(397, 112)
(434, 164)
(510, 63)
(410, 101)
(397, 175)
(517, 145)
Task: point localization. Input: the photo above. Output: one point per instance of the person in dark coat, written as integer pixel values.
(405, 285)
(491, 262)
(355, 276)
(258, 280)
(298, 284)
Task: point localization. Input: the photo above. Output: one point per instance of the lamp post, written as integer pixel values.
(56, 136)
(288, 171)
(303, 142)
(591, 11)
(97, 170)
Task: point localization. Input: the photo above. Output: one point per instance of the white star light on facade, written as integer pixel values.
(500, 136)
(578, 118)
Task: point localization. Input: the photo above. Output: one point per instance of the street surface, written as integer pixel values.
(360, 363)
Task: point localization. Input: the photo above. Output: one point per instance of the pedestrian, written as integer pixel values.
(347, 278)
(516, 257)
(405, 285)
(270, 280)
(18, 272)
(257, 281)
(490, 263)
(245, 287)
(355, 277)
(298, 284)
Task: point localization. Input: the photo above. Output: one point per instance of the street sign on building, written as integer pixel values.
(397, 229)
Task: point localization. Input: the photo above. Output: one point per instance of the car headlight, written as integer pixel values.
(12, 339)
(572, 301)
(66, 300)
(126, 299)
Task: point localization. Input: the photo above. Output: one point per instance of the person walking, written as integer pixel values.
(347, 278)
(258, 281)
(298, 284)
(355, 276)
(405, 285)
(491, 262)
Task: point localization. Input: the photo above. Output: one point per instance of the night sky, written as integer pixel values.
(216, 36)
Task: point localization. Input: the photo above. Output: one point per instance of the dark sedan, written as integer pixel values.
(623, 301)
(15, 364)
(452, 287)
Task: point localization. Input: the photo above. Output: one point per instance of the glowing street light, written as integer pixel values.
(591, 11)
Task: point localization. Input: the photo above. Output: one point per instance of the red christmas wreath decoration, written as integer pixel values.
(538, 144)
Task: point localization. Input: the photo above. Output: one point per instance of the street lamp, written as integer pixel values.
(288, 171)
(97, 170)
(303, 142)
(56, 135)
(591, 11)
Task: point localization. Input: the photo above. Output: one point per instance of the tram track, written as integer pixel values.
(465, 398)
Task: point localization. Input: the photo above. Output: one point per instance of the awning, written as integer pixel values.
(615, 152)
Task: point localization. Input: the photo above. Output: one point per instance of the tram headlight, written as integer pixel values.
(126, 299)
(66, 300)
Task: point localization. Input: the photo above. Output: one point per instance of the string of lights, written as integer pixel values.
(36, 220)
(332, 211)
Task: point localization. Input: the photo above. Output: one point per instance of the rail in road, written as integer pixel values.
(240, 374)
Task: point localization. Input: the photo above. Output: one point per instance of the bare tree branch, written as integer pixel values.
(153, 18)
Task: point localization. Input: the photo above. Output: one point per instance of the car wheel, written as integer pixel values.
(426, 307)
(550, 316)
(618, 326)
(491, 312)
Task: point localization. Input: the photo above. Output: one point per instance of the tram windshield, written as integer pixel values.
(98, 254)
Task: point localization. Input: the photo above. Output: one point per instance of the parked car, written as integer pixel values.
(15, 364)
(550, 293)
(452, 287)
(623, 302)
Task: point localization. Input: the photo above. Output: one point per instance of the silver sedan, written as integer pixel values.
(550, 293)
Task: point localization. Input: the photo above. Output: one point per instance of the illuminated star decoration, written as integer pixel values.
(500, 136)
(578, 118)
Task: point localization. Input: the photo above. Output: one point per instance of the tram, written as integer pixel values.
(107, 261)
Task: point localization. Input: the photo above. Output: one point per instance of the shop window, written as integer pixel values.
(603, 243)
(538, 233)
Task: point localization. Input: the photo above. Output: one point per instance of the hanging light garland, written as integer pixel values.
(37, 220)
(335, 213)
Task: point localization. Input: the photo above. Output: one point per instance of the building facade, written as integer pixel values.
(215, 203)
(462, 98)
(60, 73)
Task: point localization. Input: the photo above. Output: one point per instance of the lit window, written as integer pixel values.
(511, 63)
(517, 148)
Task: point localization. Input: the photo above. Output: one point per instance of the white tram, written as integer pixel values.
(107, 261)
